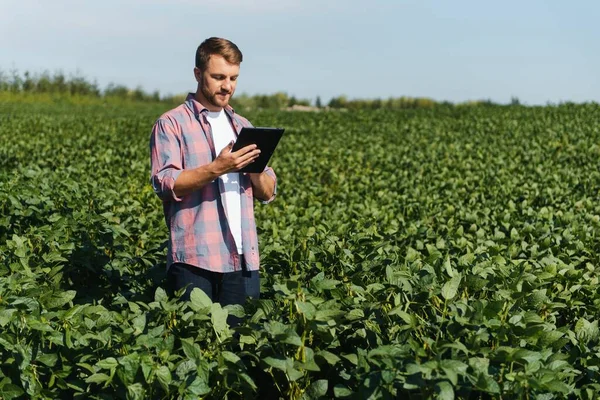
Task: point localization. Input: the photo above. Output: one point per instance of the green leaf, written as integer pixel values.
(355, 314)
(10, 391)
(307, 309)
(218, 317)
(341, 391)
(235, 309)
(41, 326)
(199, 300)
(453, 368)
(331, 358)
(549, 337)
(135, 308)
(587, 331)
(160, 295)
(444, 391)
(558, 386)
(328, 315)
(77, 385)
(317, 389)
(487, 384)
(406, 317)
(139, 324)
(185, 368)
(87, 366)
(294, 374)
(128, 366)
(450, 288)
(192, 350)
(527, 355)
(31, 304)
(412, 255)
(275, 328)
(199, 387)
(448, 266)
(164, 377)
(74, 311)
(147, 364)
(290, 337)
(48, 359)
(136, 392)
(279, 362)
(107, 363)
(57, 300)
(326, 284)
(457, 346)
(230, 357)
(353, 358)
(246, 378)
(6, 316)
(434, 253)
(97, 378)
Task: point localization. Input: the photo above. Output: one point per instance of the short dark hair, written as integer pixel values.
(219, 46)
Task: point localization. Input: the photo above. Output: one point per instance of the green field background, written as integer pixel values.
(442, 253)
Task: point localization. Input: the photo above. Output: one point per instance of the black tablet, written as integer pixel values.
(266, 140)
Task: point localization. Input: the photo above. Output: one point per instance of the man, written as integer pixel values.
(208, 205)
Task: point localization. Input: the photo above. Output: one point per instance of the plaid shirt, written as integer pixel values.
(199, 233)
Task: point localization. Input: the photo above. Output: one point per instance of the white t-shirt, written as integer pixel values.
(222, 133)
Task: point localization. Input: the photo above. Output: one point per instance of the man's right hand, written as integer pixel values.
(228, 161)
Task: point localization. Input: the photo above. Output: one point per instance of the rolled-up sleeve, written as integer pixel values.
(269, 171)
(165, 159)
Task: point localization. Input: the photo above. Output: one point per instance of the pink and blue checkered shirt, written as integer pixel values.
(199, 233)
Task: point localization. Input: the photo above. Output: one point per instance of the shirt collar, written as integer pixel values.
(198, 108)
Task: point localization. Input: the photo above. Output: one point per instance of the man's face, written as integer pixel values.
(216, 84)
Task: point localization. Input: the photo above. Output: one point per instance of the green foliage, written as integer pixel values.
(77, 90)
(393, 103)
(275, 101)
(75, 85)
(442, 253)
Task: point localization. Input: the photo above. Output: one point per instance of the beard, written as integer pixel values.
(216, 99)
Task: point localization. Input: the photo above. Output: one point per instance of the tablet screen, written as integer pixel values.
(266, 139)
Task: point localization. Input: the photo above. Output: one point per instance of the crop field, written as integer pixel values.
(451, 253)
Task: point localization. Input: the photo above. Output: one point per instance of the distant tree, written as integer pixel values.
(16, 81)
(243, 102)
(318, 102)
(44, 84)
(3, 81)
(116, 90)
(280, 100)
(138, 94)
(59, 82)
(292, 102)
(338, 102)
(514, 101)
(28, 84)
(262, 101)
(78, 85)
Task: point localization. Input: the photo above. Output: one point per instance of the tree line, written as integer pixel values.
(77, 85)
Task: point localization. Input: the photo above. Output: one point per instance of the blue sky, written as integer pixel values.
(538, 51)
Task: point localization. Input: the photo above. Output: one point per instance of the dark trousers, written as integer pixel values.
(223, 288)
